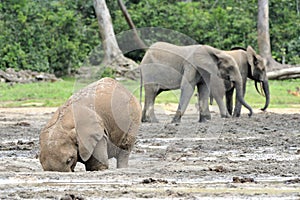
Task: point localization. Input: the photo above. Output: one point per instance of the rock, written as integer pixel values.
(25, 76)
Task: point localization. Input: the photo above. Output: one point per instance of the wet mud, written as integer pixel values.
(240, 158)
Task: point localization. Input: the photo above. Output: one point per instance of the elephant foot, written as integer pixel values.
(177, 117)
(204, 118)
(149, 120)
(236, 115)
(225, 116)
(176, 120)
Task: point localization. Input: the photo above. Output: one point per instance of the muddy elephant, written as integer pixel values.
(97, 123)
(168, 67)
(252, 66)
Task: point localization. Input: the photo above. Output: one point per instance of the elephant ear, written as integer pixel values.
(89, 128)
(228, 68)
(223, 58)
(219, 59)
(252, 60)
(225, 61)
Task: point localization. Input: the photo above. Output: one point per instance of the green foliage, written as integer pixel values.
(285, 30)
(108, 72)
(222, 24)
(52, 36)
(58, 35)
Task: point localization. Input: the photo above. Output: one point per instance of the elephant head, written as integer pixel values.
(258, 72)
(58, 144)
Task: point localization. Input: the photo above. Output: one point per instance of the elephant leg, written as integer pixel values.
(237, 109)
(99, 159)
(203, 96)
(229, 100)
(121, 155)
(217, 91)
(148, 111)
(185, 96)
(122, 159)
(187, 89)
(223, 110)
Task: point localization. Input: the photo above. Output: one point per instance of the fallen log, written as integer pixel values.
(286, 73)
(25, 76)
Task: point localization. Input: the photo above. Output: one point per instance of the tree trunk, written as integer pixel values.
(287, 73)
(137, 39)
(263, 39)
(113, 57)
(264, 46)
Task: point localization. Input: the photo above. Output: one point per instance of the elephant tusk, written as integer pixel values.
(261, 90)
(257, 88)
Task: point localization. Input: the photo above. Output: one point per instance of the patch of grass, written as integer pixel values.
(36, 94)
(164, 97)
(55, 94)
(279, 96)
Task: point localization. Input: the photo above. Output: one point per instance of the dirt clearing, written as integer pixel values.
(243, 158)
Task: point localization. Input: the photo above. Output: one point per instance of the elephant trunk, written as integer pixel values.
(265, 86)
(240, 98)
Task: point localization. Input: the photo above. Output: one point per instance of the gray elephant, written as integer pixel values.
(252, 66)
(97, 123)
(167, 67)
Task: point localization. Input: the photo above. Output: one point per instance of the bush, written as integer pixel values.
(222, 24)
(57, 36)
(47, 36)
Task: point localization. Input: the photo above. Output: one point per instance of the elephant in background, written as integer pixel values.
(168, 67)
(252, 66)
(97, 123)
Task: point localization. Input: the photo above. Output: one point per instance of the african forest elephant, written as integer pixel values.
(252, 66)
(167, 67)
(98, 122)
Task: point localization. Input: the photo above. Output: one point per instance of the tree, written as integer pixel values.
(129, 21)
(263, 38)
(277, 70)
(113, 56)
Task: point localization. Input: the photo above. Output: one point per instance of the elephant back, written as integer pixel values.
(120, 112)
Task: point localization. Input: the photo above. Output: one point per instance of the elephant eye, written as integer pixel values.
(69, 160)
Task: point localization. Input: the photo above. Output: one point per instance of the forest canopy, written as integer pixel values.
(57, 36)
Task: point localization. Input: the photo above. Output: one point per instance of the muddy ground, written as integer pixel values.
(244, 158)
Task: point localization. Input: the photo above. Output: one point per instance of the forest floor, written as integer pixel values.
(240, 158)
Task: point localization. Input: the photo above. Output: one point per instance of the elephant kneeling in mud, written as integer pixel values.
(97, 123)
(168, 67)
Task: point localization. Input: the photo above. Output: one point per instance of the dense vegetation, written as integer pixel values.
(58, 35)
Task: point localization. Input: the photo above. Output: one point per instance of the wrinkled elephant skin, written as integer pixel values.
(97, 123)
